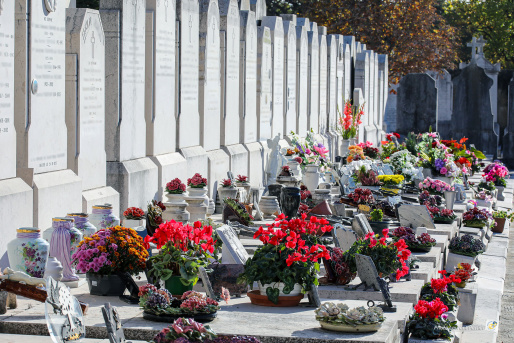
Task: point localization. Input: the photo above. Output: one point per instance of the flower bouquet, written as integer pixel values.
(442, 216)
(402, 159)
(421, 243)
(442, 289)
(339, 317)
(466, 245)
(134, 217)
(496, 173)
(160, 305)
(391, 183)
(476, 217)
(435, 187)
(183, 250)
(464, 272)
(430, 200)
(310, 152)
(197, 181)
(175, 186)
(242, 180)
(348, 123)
(184, 330)
(362, 196)
(367, 177)
(430, 321)
(289, 259)
(108, 253)
(369, 150)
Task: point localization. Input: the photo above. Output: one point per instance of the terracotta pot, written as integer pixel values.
(262, 300)
(249, 208)
(500, 225)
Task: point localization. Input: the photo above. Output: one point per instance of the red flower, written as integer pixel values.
(134, 213)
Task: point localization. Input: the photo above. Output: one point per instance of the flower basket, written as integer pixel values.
(257, 298)
(339, 317)
(379, 226)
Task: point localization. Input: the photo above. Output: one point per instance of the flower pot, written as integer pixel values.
(461, 284)
(257, 298)
(106, 285)
(174, 198)
(134, 223)
(275, 190)
(449, 197)
(269, 206)
(290, 199)
(350, 328)
(500, 196)
(227, 192)
(377, 227)
(343, 147)
(500, 225)
(443, 220)
(311, 177)
(297, 290)
(102, 217)
(176, 287)
(475, 223)
(82, 223)
(28, 252)
(295, 168)
(392, 190)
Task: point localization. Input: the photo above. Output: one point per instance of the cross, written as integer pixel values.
(190, 28)
(93, 40)
(166, 10)
(213, 31)
(480, 44)
(477, 46)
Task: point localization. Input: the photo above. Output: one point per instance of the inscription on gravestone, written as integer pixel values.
(233, 251)
(361, 225)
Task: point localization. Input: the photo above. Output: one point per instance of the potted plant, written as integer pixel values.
(369, 150)
(496, 173)
(108, 253)
(377, 221)
(186, 330)
(233, 210)
(421, 243)
(441, 216)
(401, 160)
(442, 289)
(160, 305)
(175, 191)
(464, 272)
(463, 249)
(197, 186)
(337, 269)
(362, 198)
(183, 249)
(429, 321)
(287, 262)
(339, 317)
(241, 180)
(388, 257)
(486, 185)
(227, 190)
(476, 217)
(391, 183)
(348, 125)
(435, 187)
(500, 217)
(134, 217)
(430, 200)
(368, 178)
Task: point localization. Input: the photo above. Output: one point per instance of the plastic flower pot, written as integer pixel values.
(500, 225)
(106, 285)
(176, 287)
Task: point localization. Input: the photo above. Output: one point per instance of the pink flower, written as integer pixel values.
(443, 170)
(298, 159)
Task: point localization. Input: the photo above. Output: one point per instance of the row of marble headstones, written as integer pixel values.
(476, 101)
(138, 81)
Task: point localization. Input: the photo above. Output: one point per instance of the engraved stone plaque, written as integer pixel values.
(233, 251)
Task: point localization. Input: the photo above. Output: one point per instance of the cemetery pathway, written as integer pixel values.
(505, 332)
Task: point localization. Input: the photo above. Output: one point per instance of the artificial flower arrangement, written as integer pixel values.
(160, 302)
(362, 196)
(391, 180)
(369, 150)
(339, 314)
(290, 255)
(485, 197)
(402, 159)
(197, 181)
(310, 151)
(348, 123)
(388, 257)
(464, 272)
(243, 179)
(476, 217)
(466, 245)
(175, 186)
(183, 249)
(430, 321)
(134, 213)
(154, 214)
(227, 183)
(435, 187)
(421, 243)
(443, 289)
(496, 173)
(425, 198)
(442, 216)
(186, 330)
(237, 209)
(111, 251)
(337, 269)
(367, 177)
(355, 153)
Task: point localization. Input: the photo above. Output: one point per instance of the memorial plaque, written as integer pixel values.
(367, 272)
(85, 96)
(361, 225)
(207, 283)
(229, 26)
(248, 78)
(188, 117)
(113, 324)
(233, 251)
(40, 85)
(160, 77)
(210, 87)
(415, 216)
(278, 58)
(332, 82)
(264, 96)
(343, 237)
(323, 74)
(290, 120)
(125, 136)
(302, 101)
(7, 130)
(313, 79)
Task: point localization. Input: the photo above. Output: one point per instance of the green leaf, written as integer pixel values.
(272, 294)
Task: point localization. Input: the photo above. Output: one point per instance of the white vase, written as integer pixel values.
(343, 147)
(297, 290)
(102, 217)
(28, 252)
(500, 190)
(211, 208)
(295, 168)
(311, 177)
(82, 223)
(175, 198)
(269, 205)
(227, 192)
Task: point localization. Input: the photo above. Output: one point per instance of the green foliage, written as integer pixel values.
(411, 142)
(428, 328)
(376, 215)
(493, 19)
(450, 298)
(239, 209)
(503, 214)
(385, 257)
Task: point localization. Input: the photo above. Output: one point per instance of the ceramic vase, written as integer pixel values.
(275, 190)
(500, 196)
(290, 199)
(449, 197)
(64, 242)
(295, 168)
(311, 177)
(269, 206)
(53, 269)
(297, 290)
(343, 147)
(227, 192)
(28, 252)
(82, 223)
(102, 217)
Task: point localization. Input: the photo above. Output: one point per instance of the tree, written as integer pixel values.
(493, 19)
(412, 32)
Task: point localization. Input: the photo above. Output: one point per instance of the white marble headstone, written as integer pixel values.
(259, 7)
(188, 116)
(7, 130)
(290, 121)
(233, 251)
(248, 78)
(332, 110)
(229, 26)
(264, 77)
(39, 86)
(302, 76)
(340, 74)
(313, 78)
(210, 86)
(348, 62)
(85, 96)
(323, 86)
(160, 77)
